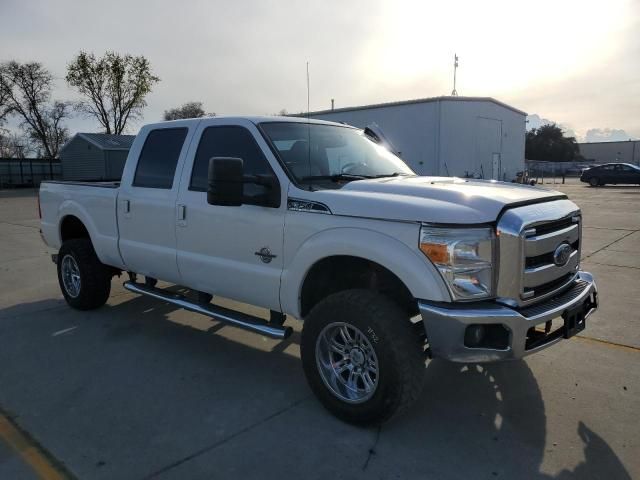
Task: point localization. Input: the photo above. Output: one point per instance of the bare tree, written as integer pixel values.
(5, 110)
(114, 87)
(188, 110)
(28, 91)
(15, 145)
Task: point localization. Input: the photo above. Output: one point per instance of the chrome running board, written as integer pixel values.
(237, 319)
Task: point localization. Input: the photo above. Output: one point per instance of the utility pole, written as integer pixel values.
(454, 92)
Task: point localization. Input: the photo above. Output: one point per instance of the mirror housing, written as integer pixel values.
(225, 181)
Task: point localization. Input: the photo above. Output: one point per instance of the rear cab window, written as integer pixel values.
(157, 163)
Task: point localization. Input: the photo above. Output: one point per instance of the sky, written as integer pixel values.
(575, 63)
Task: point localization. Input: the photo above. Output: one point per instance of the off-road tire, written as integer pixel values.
(397, 344)
(95, 277)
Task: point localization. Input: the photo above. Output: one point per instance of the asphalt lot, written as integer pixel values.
(139, 389)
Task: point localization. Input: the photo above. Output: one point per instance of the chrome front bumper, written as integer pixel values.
(446, 326)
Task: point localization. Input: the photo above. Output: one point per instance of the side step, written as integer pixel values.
(237, 319)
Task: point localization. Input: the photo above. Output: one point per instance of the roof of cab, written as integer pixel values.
(256, 119)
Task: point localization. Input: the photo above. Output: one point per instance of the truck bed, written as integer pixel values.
(93, 203)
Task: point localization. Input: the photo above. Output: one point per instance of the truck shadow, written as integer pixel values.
(173, 390)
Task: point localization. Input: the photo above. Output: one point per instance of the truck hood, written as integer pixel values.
(430, 199)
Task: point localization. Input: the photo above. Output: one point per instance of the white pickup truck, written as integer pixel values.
(320, 222)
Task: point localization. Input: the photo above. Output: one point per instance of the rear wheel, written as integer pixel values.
(362, 357)
(85, 282)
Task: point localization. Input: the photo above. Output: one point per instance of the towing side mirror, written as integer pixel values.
(225, 181)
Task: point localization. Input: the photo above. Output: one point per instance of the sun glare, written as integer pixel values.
(503, 45)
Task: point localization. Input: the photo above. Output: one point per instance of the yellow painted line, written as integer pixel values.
(607, 343)
(28, 451)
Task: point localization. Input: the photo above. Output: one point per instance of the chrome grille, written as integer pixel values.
(528, 239)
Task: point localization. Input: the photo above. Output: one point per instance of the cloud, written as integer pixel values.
(535, 121)
(607, 135)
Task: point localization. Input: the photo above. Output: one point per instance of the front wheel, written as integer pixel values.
(362, 356)
(594, 181)
(85, 281)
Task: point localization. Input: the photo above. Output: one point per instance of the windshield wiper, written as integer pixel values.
(394, 174)
(338, 177)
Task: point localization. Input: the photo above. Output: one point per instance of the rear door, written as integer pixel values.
(234, 252)
(147, 201)
(607, 174)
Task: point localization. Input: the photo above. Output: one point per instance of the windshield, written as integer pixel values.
(328, 155)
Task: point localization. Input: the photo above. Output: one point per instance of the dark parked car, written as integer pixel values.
(614, 173)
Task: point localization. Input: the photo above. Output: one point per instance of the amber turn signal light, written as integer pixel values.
(437, 252)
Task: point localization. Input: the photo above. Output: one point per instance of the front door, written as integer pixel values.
(495, 166)
(488, 148)
(233, 252)
(627, 174)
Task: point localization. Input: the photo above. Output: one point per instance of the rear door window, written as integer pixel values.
(157, 164)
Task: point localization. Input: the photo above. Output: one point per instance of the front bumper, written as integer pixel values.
(446, 326)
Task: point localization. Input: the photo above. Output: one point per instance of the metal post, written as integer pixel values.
(31, 170)
(454, 92)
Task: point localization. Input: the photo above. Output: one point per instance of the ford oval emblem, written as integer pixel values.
(562, 254)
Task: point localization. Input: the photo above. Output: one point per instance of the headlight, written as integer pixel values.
(464, 258)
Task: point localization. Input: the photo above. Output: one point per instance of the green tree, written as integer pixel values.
(27, 91)
(188, 110)
(549, 143)
(114, 87)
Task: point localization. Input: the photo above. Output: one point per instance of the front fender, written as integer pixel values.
(417, 273)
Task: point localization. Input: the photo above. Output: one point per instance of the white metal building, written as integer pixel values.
(612, 152)
(447, 136)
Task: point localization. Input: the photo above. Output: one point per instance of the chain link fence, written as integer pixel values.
(555, 172)
(28, 172)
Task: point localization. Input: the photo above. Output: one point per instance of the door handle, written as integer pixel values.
(126, 206)
(182, 212)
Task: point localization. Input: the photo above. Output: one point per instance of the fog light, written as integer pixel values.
(490, 335)
(474, 335)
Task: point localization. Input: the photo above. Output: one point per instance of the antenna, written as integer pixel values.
(454, 92)
(308, 130)
(307, 90)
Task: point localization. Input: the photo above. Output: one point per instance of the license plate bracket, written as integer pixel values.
(575, 317)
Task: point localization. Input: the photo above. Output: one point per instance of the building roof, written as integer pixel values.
(419, 100)
(104, 141)
(611, 142)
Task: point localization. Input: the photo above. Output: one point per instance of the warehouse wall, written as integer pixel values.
(448, 137)
(471, 132)
(411, 128)
(82, 161)
(610, 152)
